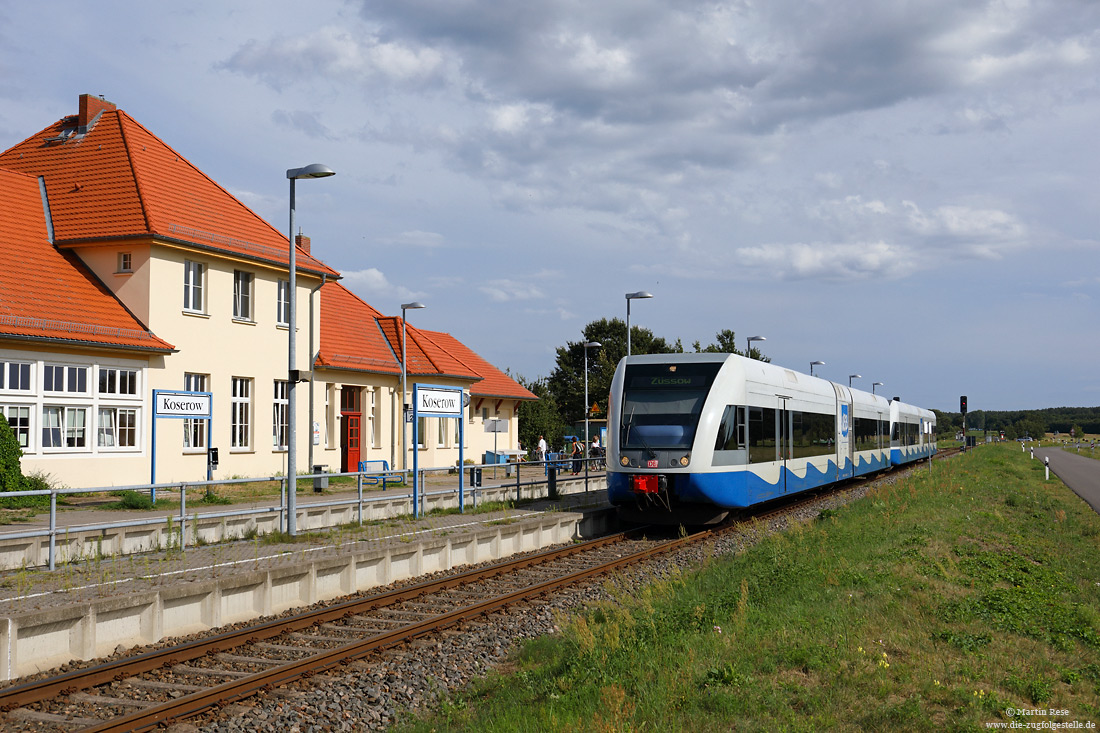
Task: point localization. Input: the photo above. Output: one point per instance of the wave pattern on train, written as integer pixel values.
(692, 437)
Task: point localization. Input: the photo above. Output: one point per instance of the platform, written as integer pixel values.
(86, 610)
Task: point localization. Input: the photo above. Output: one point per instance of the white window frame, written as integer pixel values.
(111, 434)
(20, 372)
(242, 295)
(117, 381)
(70, 373)
(280, 415)
(240, 420)
(125, 262)
(194, 290)
(22, 431)
(282, 304)
(195, 429)
(71, 433)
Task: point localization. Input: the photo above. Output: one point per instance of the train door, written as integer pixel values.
(783, 432)
(845, 434)
(351, 417)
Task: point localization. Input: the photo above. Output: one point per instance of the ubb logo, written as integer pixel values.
(844, 420)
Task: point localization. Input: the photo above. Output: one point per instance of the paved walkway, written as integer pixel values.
(1079, 472)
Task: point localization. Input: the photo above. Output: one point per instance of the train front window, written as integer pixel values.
(662, 403)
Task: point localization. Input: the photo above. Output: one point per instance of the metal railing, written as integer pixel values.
(519, 475)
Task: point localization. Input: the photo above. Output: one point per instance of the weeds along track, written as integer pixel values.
(199, 677)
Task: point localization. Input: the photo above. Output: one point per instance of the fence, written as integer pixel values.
(527, 480)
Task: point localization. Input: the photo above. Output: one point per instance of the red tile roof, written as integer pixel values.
(350, 336)
(494, 383)
(117, 179)
(49, 294)
(356, 336)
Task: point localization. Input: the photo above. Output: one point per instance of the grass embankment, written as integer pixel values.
(937, 602)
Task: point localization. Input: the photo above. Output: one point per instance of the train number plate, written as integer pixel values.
(652, 463)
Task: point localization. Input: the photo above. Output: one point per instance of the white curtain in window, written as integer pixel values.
(106, 428)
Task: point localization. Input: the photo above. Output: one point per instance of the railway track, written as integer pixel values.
(157, 688)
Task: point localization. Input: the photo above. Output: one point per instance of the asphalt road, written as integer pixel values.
(1079, 472)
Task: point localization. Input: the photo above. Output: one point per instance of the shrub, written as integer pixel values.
(11, 475)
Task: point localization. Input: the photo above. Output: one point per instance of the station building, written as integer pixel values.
(125, 270)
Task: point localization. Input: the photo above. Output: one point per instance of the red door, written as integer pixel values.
(351, 413)
(349, 442)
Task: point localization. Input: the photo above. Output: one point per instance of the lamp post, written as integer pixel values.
(587, 345)
(748, 344)
(315, 170)
(630, 297)
(404, 369)
(876, 384)
(853, 376)
(813, 364)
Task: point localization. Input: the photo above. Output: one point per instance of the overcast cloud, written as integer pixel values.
(903, 190)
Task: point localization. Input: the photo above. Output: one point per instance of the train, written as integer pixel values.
(694, 437)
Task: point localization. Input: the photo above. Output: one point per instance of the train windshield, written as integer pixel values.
(662, 402)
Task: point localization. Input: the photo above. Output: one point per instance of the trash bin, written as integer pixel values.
(320, 483)
(475, 478)
(552, 482)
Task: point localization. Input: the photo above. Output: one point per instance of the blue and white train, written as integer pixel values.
(692, 437)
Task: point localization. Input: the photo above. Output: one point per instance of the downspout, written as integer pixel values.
(312, 364)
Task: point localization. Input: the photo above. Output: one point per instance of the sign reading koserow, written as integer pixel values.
(182, 404)
(439, 401)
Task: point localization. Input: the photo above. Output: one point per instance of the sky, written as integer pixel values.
(907, 191)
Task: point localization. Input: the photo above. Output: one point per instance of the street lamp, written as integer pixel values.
(748, 344)
(813, 364)
(853, 376)
(587, 345)
(315, 170)
(630, 297)
(404, 368)
(876, 384)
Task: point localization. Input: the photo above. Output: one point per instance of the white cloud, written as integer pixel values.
(372, 285)
(503, 291)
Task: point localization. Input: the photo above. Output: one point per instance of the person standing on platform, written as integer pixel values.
(541, 452)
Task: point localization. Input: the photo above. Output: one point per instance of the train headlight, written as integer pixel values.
(624, 461)
(684, 460)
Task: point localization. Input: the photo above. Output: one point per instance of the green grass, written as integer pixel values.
(934, 603)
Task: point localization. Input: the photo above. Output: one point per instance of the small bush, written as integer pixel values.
(132, 500)
(11, 475)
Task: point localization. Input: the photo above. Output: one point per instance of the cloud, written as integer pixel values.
(829, 261)
(304, 122)
(371, 285)
(503, 291)
(416, 238)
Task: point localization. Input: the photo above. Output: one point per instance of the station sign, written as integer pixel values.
(438, 401)
(194, 405)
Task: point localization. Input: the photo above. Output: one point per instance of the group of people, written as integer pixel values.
(576, 452)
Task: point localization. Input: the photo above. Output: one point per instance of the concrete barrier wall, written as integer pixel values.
(45, 639)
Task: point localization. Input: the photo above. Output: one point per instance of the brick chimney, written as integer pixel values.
(302, 242)
(90, 108)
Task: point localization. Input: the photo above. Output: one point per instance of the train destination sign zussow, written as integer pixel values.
(182, 404)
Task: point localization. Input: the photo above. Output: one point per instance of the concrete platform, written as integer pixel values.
(86, 610)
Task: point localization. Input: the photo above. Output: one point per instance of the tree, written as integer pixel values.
(566, 382)
(539, 418)
(11, 475)
(726, 343)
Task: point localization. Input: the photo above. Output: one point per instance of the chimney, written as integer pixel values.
(90, 108)
(301, 241)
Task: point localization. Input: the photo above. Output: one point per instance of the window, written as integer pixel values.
(280, 415)
(56, 378)
(282, 307)
(117, 427)
(194, 431)
(193, 274)
(125, 262)
(19, 419)
(812, 434)
(762, 435)
(240, 412)
(15, 376)
(421, 431)
(375, 417)
(117, 381)
(242, 295)
(442, 440)
(731, 433)
(64, 427)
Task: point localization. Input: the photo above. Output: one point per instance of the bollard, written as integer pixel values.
(1048, 468)
(1033, 453)
(552, 483)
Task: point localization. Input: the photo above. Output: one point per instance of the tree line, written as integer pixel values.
(561, 402)
(1024, 423)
